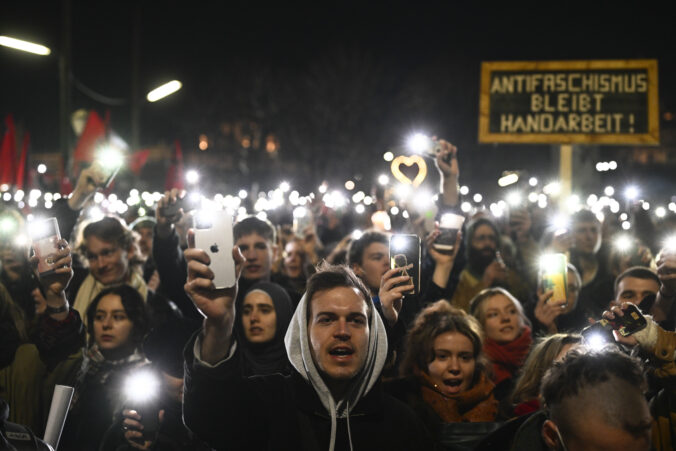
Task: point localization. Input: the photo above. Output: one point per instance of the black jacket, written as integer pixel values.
(284, 413)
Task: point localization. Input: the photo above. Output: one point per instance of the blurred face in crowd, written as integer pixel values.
(259, 319)
(374, 263)
(483, 245)
(145, 241)
(633, 289)
(452, 369)
(502, 321)
(294, 257)
(13, 256)
(258, 253)
(574, 285)
(338, 331)
(587, 237)
(112, 326)
(108, 263)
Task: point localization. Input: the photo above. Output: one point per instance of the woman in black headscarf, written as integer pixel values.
(260, 325)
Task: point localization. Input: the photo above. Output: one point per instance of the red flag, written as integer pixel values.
(175, 173)
(94, 130)
(137, 160)
(21, 170)
(8, 153)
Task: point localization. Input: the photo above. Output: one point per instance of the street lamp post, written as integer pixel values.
(64, 71)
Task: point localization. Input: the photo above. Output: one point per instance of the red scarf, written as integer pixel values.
(508, 358)
(527, 407)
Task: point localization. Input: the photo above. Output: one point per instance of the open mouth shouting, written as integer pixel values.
(341, 353)
(452, 386)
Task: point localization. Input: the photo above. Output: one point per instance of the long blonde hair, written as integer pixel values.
(486, 294)
(539, 360)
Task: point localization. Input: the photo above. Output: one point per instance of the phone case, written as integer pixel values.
(217, 242)
(402, 255)
(45, 236)
(554, 276)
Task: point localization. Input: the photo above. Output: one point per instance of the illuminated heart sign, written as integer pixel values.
(409, 161)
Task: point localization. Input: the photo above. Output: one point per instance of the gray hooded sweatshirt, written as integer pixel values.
(298, 349)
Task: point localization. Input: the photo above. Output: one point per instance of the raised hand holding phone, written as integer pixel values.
(217, 305)
(393, 286)
(405, 256)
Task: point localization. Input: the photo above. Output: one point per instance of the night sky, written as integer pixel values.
(337, 85)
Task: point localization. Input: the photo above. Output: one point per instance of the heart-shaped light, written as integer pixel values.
(409, 161)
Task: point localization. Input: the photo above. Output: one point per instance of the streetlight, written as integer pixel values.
(164, 90)
(24, 46)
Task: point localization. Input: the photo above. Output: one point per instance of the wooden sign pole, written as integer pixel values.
(565, 174)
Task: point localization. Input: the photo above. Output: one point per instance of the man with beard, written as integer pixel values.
(484, 269)
(597, 282)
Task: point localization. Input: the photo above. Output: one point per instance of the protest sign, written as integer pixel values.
(602, 102)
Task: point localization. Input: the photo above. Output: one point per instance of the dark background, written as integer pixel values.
(334, 85)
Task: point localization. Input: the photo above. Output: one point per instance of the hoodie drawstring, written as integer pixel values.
(349, 433)
(332, 411)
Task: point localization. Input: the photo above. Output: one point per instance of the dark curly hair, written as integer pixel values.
(134, 306)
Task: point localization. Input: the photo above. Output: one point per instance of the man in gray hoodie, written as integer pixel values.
(333, 400)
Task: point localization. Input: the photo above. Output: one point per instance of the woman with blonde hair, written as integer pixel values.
(443, 369)
(508, 335)
(550, 349)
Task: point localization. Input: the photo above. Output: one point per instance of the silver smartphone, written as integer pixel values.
(213, 234)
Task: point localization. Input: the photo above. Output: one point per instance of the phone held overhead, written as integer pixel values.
(213, 234)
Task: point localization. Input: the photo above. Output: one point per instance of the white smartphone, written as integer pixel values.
(213, 234)
(45, 236)
(449, 226)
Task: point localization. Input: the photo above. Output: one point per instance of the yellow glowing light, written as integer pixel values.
(508, 179)
(409, 161)
(24, 46)
(164, 90)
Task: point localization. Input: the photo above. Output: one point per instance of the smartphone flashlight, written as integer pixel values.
(110, 157)
(514, 199)
(670, 243)
(597, 336)
(8, 226)
(424, 145)
(45, 236)
(142, 390)
(623, 243)
(142, 386)
(554, 276)
(399, 243)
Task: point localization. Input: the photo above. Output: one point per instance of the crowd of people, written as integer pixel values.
(324, 344)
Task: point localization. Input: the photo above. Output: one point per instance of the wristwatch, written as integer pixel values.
(53, 310)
